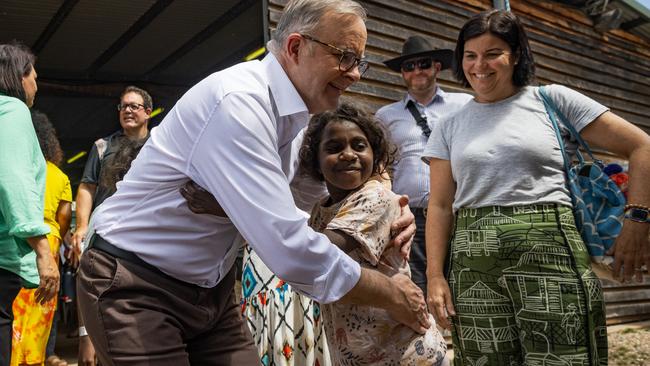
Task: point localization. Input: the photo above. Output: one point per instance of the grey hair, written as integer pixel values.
(303, 16)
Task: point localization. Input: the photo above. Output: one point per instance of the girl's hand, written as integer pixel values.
(404, 226)
(201, 201)
(439, 300)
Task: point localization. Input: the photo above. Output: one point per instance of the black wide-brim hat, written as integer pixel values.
(416, 46)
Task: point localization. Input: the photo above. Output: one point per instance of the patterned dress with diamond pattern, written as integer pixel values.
(286, 326)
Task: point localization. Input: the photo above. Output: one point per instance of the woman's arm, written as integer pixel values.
(440, 219)
(613, 133)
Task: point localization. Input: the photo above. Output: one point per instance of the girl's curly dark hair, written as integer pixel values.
(384, 151)
(46, 134)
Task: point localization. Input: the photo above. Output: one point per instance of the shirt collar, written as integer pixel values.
(286, 97)
(441, 94)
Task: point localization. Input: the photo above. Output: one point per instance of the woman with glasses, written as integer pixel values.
(25, 257)
(520, 288)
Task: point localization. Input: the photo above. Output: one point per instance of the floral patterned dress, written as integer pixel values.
(363, 335)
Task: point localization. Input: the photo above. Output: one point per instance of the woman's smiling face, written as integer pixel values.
(488, 64)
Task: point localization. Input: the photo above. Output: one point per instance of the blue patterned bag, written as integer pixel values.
(598, 203)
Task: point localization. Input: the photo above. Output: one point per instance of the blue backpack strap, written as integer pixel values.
(553, 110)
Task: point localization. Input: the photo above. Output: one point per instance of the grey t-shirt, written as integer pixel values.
(506, 153)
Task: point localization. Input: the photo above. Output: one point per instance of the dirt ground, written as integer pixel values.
(629, 347)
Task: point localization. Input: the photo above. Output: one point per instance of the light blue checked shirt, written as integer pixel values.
(410, 176)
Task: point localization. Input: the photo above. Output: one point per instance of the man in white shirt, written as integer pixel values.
(410, 122)
(156, 284)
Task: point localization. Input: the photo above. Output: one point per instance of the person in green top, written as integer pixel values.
(25, 257)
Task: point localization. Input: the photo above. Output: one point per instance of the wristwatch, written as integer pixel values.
(637, 214)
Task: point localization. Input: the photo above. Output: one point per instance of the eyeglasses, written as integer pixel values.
(348, 59)
(134, 107)
(422, 64)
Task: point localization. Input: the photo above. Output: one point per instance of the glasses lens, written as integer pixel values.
(133, 107)
(408, 66)
(348, 59)
(363, 67)
(425, 63)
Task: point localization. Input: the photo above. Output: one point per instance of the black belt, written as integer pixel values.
(97, 242)
(419, 211)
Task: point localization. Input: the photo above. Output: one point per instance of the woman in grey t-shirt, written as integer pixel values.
(520, 287)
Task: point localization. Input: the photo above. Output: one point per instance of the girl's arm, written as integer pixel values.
(440, 219)
(613, 133)
(342, 240)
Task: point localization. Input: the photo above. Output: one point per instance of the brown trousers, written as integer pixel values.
(139, 316)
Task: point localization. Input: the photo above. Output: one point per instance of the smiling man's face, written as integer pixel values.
(319, 80)
(133, 118)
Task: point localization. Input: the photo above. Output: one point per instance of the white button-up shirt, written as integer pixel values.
(234, 134)
(410, 176)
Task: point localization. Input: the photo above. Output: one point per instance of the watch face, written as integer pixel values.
(638, 214)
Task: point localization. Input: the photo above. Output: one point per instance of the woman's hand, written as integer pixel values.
(48, 272)
(404, 227)
(439, 300)
(201, 201)
(631, 251)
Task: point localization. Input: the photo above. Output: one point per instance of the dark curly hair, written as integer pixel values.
(46, 134)
(119, 163)
(506, 26)
(384, 151)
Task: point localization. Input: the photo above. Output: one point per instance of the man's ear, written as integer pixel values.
(438, 66)
(292, 46)
(148, 111)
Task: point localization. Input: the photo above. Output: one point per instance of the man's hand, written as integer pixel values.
(86, 352)
(439, 300)
(409, 308)
(404, 226)
(631, 251)
(201, 201)
(77, 243)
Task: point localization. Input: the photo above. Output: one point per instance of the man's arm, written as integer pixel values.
(85, 197)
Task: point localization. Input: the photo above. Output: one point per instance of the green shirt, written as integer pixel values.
(22, 185)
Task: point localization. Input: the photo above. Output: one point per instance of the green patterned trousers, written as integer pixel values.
(523, 289)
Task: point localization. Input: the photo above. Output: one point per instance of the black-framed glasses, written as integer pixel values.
(134, 107)
(422, 64)
(347, 59)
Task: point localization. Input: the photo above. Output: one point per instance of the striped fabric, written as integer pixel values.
(411, 176)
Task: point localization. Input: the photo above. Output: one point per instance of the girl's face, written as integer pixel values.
(345, 158)
(488, 64)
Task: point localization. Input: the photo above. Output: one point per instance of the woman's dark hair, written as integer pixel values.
(384, 152)
(46, 134)
(506, 26)
(119, 163)
(16, 61)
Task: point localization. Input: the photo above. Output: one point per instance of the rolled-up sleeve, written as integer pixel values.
(20, 194)
(236, 158)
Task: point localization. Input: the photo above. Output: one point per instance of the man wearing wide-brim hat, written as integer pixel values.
(410, 121)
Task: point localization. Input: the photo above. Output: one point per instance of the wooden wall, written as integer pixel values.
(613, 68)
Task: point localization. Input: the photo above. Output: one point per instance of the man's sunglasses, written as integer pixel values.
(422, 64)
